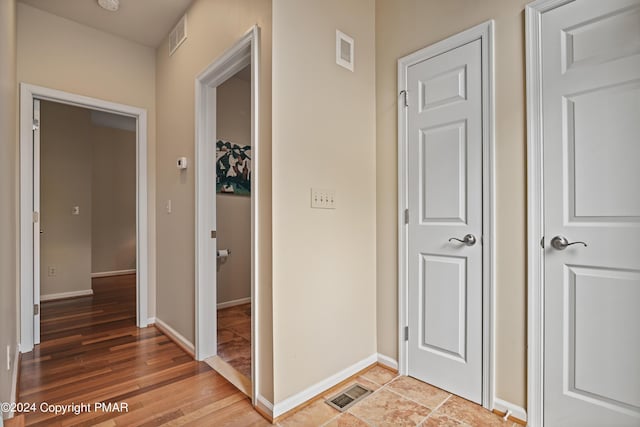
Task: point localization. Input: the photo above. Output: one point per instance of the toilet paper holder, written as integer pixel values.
(223, 253)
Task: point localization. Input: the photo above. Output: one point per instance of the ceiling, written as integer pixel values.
(146, 22)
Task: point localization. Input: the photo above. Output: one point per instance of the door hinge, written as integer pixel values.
(213, 234)
(36, 217)
(36, 309)
(406, 216)
(406, 97)
(36, 124)
(406, 333)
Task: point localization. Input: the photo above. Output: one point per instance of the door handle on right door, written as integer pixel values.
(561, 243)
(468, 240)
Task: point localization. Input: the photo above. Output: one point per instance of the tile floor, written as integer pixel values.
(234, 337)
(396, 401)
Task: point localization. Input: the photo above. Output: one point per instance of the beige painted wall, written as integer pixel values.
(8, 193)
(65, 182)
(213, 28)
(61, 54)
(324, 307)
(233, 216)
(113, 201)
(93, 167)
(402, 27)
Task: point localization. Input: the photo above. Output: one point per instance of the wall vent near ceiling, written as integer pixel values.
(178, 35)
(344, 50)
(349, 397)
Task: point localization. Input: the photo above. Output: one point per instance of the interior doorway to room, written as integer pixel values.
(68, 208)
(227, 214)
(233, 217)
(86, 193)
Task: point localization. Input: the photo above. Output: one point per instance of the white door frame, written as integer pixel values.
(483, 32)
(244, 52)
(28, 93)
(535, 212)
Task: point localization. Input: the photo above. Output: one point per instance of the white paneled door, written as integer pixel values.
(444, 243)
(591, 140)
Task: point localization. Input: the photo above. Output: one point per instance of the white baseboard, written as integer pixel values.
(234, 302)
(176, 336)
(388, 362)
(63, 295)
(311, 392)
(113, 273)
(515, 410)
(14, 380)
(265, 406)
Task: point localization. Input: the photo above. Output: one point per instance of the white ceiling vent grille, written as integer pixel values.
(178, 35)
(344, 50)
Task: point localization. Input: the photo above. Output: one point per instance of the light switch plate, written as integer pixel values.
(323, 199)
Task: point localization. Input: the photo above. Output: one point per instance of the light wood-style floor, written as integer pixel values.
(91, 352)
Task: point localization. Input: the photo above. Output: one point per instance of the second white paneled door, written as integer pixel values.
(444, 235)
(591, 138)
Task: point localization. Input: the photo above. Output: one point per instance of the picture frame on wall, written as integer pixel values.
(233, 168)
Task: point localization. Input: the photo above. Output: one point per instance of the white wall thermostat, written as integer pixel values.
(182, 163)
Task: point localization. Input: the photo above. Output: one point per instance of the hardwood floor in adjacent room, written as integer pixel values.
(92, 352)
(234, 337)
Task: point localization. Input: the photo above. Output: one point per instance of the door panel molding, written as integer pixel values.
(483, 32)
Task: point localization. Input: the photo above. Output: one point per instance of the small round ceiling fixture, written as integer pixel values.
(110, 5)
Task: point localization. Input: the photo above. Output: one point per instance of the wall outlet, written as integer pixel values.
(52, 271)
(8, 357)
(75, 210)
(168, 206)
(323, 199)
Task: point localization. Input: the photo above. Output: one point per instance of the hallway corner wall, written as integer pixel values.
(324, 131)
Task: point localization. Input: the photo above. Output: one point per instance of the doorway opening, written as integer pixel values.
(227, 194)
(233, 218)
(86, 199)
(72, 194)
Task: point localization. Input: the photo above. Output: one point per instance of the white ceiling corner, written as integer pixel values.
(147, 22)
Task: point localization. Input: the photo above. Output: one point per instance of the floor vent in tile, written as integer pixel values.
(349, 397)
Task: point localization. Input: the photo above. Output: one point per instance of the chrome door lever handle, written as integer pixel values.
(468, 240)
(561, 243)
